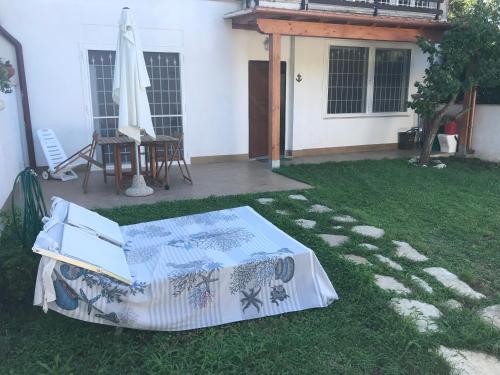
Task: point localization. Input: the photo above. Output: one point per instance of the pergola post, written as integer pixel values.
(274, 99)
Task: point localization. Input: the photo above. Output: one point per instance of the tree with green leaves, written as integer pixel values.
(468, 56)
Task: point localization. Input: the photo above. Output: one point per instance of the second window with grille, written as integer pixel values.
(367, 80)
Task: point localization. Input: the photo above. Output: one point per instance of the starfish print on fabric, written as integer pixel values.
(251, 299)
(89, 302)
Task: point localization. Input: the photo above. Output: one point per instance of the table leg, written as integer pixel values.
(118, 167)
(165, 160)
(105, 174)
(152, 160)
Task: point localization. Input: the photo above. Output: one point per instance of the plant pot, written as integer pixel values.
(10, 71)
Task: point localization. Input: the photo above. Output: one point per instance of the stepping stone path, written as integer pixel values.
(356, 259)
(491, 315)
(466, 362)
(389, 262)
(368, 231)
(297, 197)
(306, 224)
(344, 219)
(319, 209)
(453, 304)
(334, 240)
(423, 314)
(337, 227)
(265, 200)
(282, 212)
(391, 284)
(451, 281)
(405, 250)
(422, 284)
(369, 246)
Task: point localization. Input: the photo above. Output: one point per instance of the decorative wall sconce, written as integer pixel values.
(299, 78)
(266, 43)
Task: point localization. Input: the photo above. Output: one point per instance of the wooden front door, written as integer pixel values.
(258, 105)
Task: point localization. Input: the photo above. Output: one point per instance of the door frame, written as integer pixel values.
(283, 109)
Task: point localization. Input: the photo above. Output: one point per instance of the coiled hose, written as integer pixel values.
(32, 208)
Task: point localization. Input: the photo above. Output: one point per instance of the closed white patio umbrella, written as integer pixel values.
(129, 92)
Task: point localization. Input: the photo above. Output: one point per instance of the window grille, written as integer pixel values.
(165, 96)
(348, 67)
(391, 78)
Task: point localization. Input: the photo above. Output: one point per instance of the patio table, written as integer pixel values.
(147, 141)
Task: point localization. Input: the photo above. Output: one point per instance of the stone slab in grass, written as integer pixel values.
(265, 200)
(344, 219)
(491, 315)
(451, 281)
(453, 304)
(319, 209)
(466, 362)
(405, 250)
(369, 246)
(297, 197)
(422, 284)
(356, 259)
(306, 224)
(424, 315)
(390, 284)
(337, 227)
(368, 231)
(389, 262)
(283, 212)
(334, 240)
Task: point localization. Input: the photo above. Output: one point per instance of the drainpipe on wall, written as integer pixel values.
(24, 94)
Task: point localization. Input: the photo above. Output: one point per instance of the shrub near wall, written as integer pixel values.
(18, 269)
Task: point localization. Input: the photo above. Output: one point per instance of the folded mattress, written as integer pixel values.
(195, 271)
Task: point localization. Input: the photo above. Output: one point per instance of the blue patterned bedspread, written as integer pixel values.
(196, 271)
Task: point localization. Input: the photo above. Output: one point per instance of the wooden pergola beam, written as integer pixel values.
(274, 99)
(329, 30)
(337, 17)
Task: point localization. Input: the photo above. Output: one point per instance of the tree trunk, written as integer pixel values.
(425, 154)
(433, 128)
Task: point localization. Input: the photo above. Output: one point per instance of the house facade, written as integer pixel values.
(240, 79)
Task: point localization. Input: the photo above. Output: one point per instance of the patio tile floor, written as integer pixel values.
(216, 179)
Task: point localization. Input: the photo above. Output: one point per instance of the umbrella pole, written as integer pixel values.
(137, 156)
(139, 187)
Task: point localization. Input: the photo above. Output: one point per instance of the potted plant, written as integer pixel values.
(6, 73)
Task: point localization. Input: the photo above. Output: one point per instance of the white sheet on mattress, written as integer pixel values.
(197, 271)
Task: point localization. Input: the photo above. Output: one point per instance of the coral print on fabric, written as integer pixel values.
(149, 231)
(270, 270)
(139, 255)
(196, 279)
(207, 219)
(107, 290)
(216, 239)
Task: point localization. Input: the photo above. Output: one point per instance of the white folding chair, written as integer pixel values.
(60, 166)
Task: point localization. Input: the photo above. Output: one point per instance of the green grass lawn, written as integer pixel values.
(451, 215)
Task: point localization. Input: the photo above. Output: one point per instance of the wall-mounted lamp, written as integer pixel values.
(266, 43)
(299, 78)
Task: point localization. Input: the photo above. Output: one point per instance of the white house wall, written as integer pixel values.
(57, 34)
(12, 158)
(485, 135)
(312, 128)
(214, 64)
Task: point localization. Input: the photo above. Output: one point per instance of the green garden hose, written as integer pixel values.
(32, 208)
